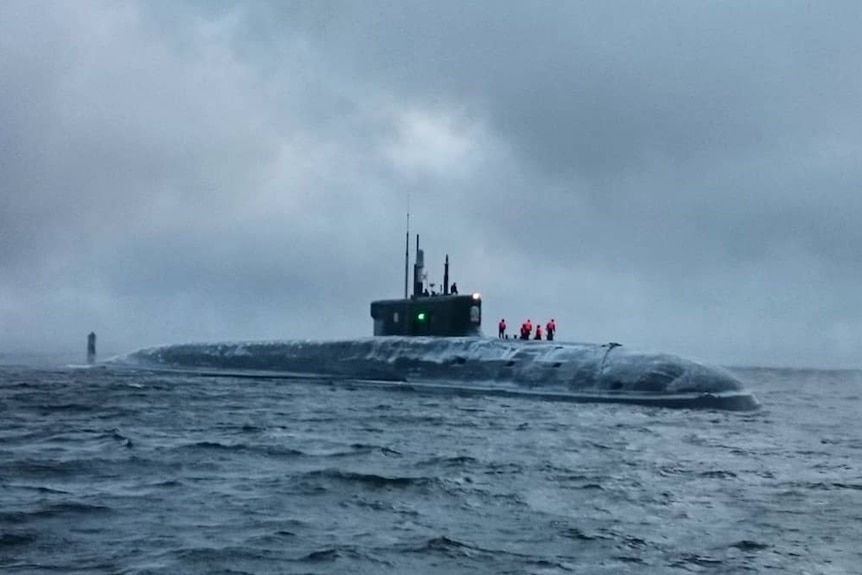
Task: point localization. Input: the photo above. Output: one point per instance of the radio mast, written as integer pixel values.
(407, 247)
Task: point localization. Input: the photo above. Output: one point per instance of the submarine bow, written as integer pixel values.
(548, 370)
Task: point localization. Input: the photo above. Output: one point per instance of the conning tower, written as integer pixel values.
(426, 313)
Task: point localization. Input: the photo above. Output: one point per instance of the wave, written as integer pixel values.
(67, 508)
(372, 480)
(332, 554)
(267, 450)
(15, 539)
(748, 545)
(453, 461)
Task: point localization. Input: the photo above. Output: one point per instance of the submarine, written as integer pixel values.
(433, 343)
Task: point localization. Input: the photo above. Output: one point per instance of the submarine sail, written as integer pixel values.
(425, 313)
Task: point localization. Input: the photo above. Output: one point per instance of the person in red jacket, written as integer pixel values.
(501, 328)
(538, 332)
(550, 330)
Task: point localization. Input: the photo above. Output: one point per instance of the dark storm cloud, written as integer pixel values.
(678, 176)
(645, 124)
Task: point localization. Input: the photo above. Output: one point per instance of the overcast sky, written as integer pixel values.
(675, 176)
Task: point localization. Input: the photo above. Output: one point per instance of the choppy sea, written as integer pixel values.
(108, 471)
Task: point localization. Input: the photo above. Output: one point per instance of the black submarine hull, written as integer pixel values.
(468, 365)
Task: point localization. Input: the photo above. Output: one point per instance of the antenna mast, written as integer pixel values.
(407, 246)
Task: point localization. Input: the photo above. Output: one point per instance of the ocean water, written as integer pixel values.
(107, 471)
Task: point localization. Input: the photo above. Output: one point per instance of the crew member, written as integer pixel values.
(529, 325)
(549, 330)
(524, 333)
(501, 328)
(454, 290)
(538, 332)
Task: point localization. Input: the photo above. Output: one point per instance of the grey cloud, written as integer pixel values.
(679, 176)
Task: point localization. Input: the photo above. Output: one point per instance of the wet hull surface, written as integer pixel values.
(467, 366)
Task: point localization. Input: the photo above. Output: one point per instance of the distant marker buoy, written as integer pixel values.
(91, 348)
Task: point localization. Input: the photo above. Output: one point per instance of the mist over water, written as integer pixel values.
(106, 471)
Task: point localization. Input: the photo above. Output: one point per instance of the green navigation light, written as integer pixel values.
(421, 316)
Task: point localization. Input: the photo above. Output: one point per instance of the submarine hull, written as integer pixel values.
(545, 370)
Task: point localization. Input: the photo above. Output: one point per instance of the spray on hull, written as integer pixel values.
(470, 365)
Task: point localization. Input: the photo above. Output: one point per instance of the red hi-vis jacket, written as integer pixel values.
(539, 331)
(502, 324)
